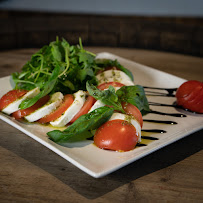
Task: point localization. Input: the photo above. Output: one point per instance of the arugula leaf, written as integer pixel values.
(108, 97)
(55, 49)
(134, 95)
(47, 89)
(83, 124)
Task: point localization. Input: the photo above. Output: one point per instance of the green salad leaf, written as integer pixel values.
(134, 95)
(131, 94)
(108, 97)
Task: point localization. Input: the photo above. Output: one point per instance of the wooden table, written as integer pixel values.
(29, 172)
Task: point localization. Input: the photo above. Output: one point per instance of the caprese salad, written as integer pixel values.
(66, 86)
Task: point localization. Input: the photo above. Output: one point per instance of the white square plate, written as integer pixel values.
(96, 162)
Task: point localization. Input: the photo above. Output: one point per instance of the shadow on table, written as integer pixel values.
(88, 186)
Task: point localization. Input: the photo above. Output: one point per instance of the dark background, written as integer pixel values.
(24, 28)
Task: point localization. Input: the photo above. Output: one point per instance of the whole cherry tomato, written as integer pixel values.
(190, 96)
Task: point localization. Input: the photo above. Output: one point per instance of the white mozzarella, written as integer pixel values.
(96, 105)
(114, 76)
(72, 110)
(116, 88)
(55, 100)
(14, 106)
(128, 118)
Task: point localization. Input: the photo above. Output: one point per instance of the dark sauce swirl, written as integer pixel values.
(168, 114)
(170, 92)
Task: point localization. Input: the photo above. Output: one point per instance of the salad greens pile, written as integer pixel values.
(66, 68)
(76, 66)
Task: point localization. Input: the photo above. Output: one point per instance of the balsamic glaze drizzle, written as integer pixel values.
(170, 93)
(149, 137)
(160, 104)
(168, 114)
(140, 145)
(151, 93)
(154, 130)
(167, 105)
(160, 121)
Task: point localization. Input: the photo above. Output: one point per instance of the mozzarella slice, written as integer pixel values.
(128, 118)
(14, 106)
(55, 100)
(114, 76)
(72, 110)
(96, 105)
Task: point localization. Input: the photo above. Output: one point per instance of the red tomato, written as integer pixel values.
(68, 100)
(10, 97)
(196, 104)
(108, 68)
(187, 87)
(130, 109)
(24, 112)
(106, 85)
(86, 107)
(190, 96)
(117, 135)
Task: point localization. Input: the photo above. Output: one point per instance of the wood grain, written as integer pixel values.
(29, 172)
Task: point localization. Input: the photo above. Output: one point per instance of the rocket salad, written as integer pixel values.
(65, 85)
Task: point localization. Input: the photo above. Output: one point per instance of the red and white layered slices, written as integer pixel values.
(117, 79)
(60, 110)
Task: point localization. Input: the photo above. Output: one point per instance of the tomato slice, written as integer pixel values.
(187, 87)
(130, 109)
(117, 135)
(68, 100)
(10, 97)
(107, 84)
(24, 112)
(86, 107)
